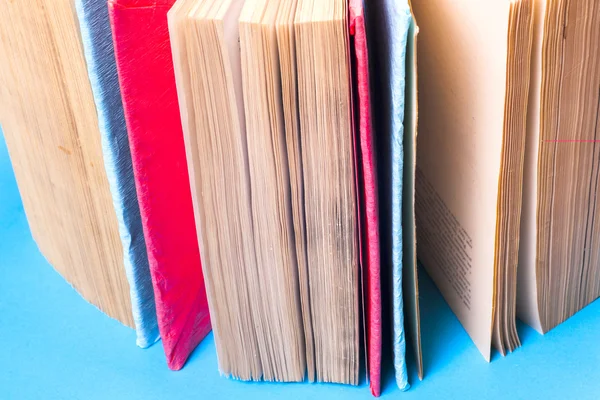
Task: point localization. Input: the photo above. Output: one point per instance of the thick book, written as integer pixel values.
(238, 167)
(247, 71)
(145, 68)
(559, 263)
(51, 129)
(474, 65)
(98, 48)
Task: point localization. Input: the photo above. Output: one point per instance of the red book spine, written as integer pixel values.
(369, 203)
(145, 68)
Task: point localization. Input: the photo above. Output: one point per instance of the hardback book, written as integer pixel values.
(266, 104)
(102, 69)
(559, 263)
(51, 128)
(392, 37)
(147, 81)
(474, 64)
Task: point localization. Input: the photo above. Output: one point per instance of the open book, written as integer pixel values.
(473, 59)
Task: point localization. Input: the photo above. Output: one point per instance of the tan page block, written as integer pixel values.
(527, 305)
(51, 129)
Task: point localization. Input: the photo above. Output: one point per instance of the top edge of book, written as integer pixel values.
(141, 3)
(264, 12)
(298, 11)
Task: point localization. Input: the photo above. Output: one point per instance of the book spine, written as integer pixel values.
(147, 80)
(99, 53)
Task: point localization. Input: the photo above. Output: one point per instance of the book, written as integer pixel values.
(558, 261)
(368, 202)
(410, 283)
(235, 62)
(391, 33)
(249, 328)
(51, 129)
(102, 69)
(147, 80)
(473, 86)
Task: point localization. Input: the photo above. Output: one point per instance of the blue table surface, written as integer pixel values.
(54, 345)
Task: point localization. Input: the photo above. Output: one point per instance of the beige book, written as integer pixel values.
(272, 176)
(50, 125)
(559, 270)
(473, 85)
(227, 71)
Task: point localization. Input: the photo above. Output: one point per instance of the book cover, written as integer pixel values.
(102, 69)
(369, 208)
(50, 124)
(145, 67)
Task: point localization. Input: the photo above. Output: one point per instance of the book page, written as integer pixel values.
(232, 41)
(527, 306)
(458, 158)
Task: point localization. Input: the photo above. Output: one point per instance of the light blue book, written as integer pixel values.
(389, 34)
(99, 53)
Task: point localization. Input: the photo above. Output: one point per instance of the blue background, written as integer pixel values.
(54, 345)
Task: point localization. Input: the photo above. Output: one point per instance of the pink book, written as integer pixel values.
(369, 209)
(147, 80)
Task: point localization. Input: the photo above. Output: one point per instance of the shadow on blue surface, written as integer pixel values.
(57, 346)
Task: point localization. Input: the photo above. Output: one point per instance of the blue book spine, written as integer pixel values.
(400, 26)
(99, 53)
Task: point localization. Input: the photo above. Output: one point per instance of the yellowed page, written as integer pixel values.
(462, 82)
(527, 305)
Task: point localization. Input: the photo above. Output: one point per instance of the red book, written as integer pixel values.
(145, 68)
(369, 209)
